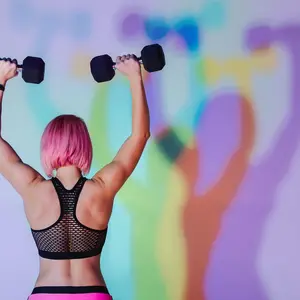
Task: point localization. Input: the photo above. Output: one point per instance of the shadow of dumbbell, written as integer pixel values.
(186, 29)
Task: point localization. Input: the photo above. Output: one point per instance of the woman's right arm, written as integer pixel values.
(113, 176)
(20, 175)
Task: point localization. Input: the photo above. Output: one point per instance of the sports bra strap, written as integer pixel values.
(60, 188)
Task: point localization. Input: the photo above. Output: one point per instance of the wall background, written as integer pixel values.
(212, 210)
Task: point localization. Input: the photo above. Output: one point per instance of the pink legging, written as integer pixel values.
(89, 296)
(70, 293)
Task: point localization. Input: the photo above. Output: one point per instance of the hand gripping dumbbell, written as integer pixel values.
(33, 69)
(152, 58)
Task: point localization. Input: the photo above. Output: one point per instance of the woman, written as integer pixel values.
(69, 214)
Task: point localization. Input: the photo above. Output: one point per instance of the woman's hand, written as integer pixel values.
(8, 70)
(128, 65)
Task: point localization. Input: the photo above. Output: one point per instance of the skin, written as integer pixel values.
(96, 199)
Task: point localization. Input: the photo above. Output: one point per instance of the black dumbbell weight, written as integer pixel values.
(152, 57)
(33, 69)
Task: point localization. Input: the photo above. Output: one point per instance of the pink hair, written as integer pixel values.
(66, 142)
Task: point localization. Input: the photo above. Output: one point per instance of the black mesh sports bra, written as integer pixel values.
(67, 238)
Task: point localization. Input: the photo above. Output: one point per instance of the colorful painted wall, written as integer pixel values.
(212, 210)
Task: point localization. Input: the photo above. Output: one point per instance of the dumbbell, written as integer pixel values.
(152, 58)
(33, 69)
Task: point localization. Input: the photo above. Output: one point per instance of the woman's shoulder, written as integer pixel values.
(42, 187)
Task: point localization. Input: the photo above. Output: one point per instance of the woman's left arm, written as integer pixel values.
(20, 175)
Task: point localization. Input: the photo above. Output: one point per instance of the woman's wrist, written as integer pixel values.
(2, 81)
(135, 77)
(2, 87)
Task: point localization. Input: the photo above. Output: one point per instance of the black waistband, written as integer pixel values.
(70, 290)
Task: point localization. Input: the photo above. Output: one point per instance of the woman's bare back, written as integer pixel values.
(43, 209)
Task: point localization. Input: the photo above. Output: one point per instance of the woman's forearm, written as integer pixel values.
(8, 70)
(140, 110)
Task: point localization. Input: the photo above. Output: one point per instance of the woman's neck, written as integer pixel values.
(68, 175)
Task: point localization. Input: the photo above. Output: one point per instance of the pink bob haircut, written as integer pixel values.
(66, 142)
